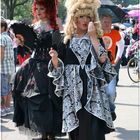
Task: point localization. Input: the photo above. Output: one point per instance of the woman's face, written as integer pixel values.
(82, 24)
(41, 12)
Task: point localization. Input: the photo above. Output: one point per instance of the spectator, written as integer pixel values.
(126, 37)
(12, 35)
(23, 52)
(121, 44)
(7, 67)
(114, 44)
(136, 31)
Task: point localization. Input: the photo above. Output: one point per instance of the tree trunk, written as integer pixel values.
(10, 13)
(11, 5)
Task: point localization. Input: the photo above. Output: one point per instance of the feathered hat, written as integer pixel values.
(76, 7)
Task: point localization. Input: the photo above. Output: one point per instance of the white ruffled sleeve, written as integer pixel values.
(57, 74)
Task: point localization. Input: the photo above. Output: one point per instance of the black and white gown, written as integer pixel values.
(80, 80)
(36, 108)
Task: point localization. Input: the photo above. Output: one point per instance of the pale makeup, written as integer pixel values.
(82, 24)
(41, 12)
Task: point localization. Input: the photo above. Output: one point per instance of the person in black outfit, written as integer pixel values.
(23, 52)
(36, 108)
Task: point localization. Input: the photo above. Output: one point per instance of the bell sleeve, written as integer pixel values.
(104, 73)
(57, 74)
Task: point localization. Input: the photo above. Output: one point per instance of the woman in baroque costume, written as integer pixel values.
(37, 109)
(81, 70)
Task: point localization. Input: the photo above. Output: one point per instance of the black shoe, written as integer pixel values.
(37, 139)
(50, 137)
(113, 114)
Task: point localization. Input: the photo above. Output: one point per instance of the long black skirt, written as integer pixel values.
(90, 127)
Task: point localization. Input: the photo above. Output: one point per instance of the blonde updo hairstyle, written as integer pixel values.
(76, 8)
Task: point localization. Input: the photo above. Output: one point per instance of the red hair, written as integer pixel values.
(51, 11)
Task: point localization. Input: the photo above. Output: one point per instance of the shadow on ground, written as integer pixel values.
(129, 86)
(123, 104)
(6, 129)
(4, 121)
(125, 134)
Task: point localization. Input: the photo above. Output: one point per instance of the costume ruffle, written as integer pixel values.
(69, 86)
(57, 74)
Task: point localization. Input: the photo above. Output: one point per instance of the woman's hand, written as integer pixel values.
(102, 58)
(93, 36)
(54, 56)
(92, 30)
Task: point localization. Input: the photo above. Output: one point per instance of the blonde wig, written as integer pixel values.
(76, 8)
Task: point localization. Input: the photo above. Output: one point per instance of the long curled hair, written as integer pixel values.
(75, 8)
(51, 11)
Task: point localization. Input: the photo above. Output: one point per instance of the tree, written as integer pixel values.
(24, 12)
(62, 10)
(10, 6)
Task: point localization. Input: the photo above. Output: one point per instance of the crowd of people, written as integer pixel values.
(66, 83)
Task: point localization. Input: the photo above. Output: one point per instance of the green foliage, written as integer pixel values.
(9, 7)
(24, 12)
(62, 11)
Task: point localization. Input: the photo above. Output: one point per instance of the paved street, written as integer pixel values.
(127, 124)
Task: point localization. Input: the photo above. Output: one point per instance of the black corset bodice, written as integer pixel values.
(43, 45)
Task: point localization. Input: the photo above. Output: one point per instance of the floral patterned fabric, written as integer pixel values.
(69, 84)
